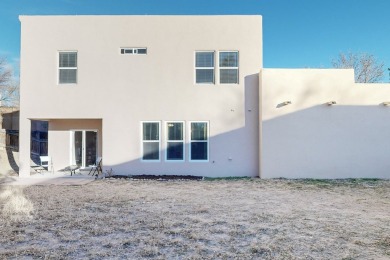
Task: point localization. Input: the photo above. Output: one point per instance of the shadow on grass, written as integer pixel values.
(328, 183)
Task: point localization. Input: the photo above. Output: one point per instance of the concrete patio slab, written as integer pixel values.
(48, 180)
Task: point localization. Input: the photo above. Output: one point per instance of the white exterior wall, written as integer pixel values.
(120, 91)
(308, 139)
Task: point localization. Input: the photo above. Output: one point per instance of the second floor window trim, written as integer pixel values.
(204, 67)
(228, 67)
(67, 67)
(134, 51)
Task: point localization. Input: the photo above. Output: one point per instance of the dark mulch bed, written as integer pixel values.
(158, 177)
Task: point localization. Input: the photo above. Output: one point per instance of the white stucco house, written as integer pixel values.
(150, 94)
(188, 95)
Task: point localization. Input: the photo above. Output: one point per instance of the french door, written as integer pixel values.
(84, 147)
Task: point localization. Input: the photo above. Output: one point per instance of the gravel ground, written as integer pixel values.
(210, 219)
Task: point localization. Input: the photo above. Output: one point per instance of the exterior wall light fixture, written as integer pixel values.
(285, 103)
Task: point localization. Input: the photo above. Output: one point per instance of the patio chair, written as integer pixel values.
(47, 162)
(45, 165)
(97, 167)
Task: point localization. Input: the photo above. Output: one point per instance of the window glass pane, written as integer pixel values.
(175, 131)
(228, 59)
(128, 50)
(228, 76)
(68, 59)
(151, 131)
(198, 131)
(141, 51)
(68, 76)
(151, 151)
(199, 151)
(78, 146)
(175, 151)
(204, 76)
(204, 59)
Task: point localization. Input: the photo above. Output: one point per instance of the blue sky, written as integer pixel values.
(296, 33)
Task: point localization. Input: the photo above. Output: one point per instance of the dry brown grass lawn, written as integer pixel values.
(224, 219)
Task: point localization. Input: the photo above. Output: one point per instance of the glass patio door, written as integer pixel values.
(84, 148)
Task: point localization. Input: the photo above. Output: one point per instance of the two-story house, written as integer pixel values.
(150, 94)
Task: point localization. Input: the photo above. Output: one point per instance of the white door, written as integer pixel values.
(84, 147)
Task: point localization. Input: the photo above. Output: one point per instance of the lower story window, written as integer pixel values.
(199, 141)
(151, 141)
(175, 141)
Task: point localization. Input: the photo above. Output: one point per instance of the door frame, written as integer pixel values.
(71, 154)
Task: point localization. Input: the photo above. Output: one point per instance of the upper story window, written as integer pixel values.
(204, 67)
(67, 67)
(134, 51)
(228, 67)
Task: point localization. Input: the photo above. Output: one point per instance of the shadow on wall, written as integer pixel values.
(11, 159)
(239, 157)
(10, 123)
(328, 142)
(233, 153)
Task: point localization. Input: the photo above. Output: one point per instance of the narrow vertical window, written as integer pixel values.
(175, 141)
(228, 67)
(67, 67)
(151, 141)
(199, 140)
(204, 67)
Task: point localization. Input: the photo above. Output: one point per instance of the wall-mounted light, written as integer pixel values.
(330, 103)
(285, 103)
(386, 103)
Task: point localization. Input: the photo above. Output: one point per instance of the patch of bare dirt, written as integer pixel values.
(223, 219)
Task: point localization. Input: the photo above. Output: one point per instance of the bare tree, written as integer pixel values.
(9, 88)
(367, 68)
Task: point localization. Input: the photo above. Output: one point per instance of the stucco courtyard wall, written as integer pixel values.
(310, 139)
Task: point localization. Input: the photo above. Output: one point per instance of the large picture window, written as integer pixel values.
(199, 140)
(67, 67)
(204, 67)
(175, 141)
(151, 141)
(228, 67)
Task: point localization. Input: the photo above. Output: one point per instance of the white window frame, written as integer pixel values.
(67, 68)
(150, 141)
(71, 150)
(174, 141)
(204, 68)
(196, 141)
(134, 50)
(227, 68)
